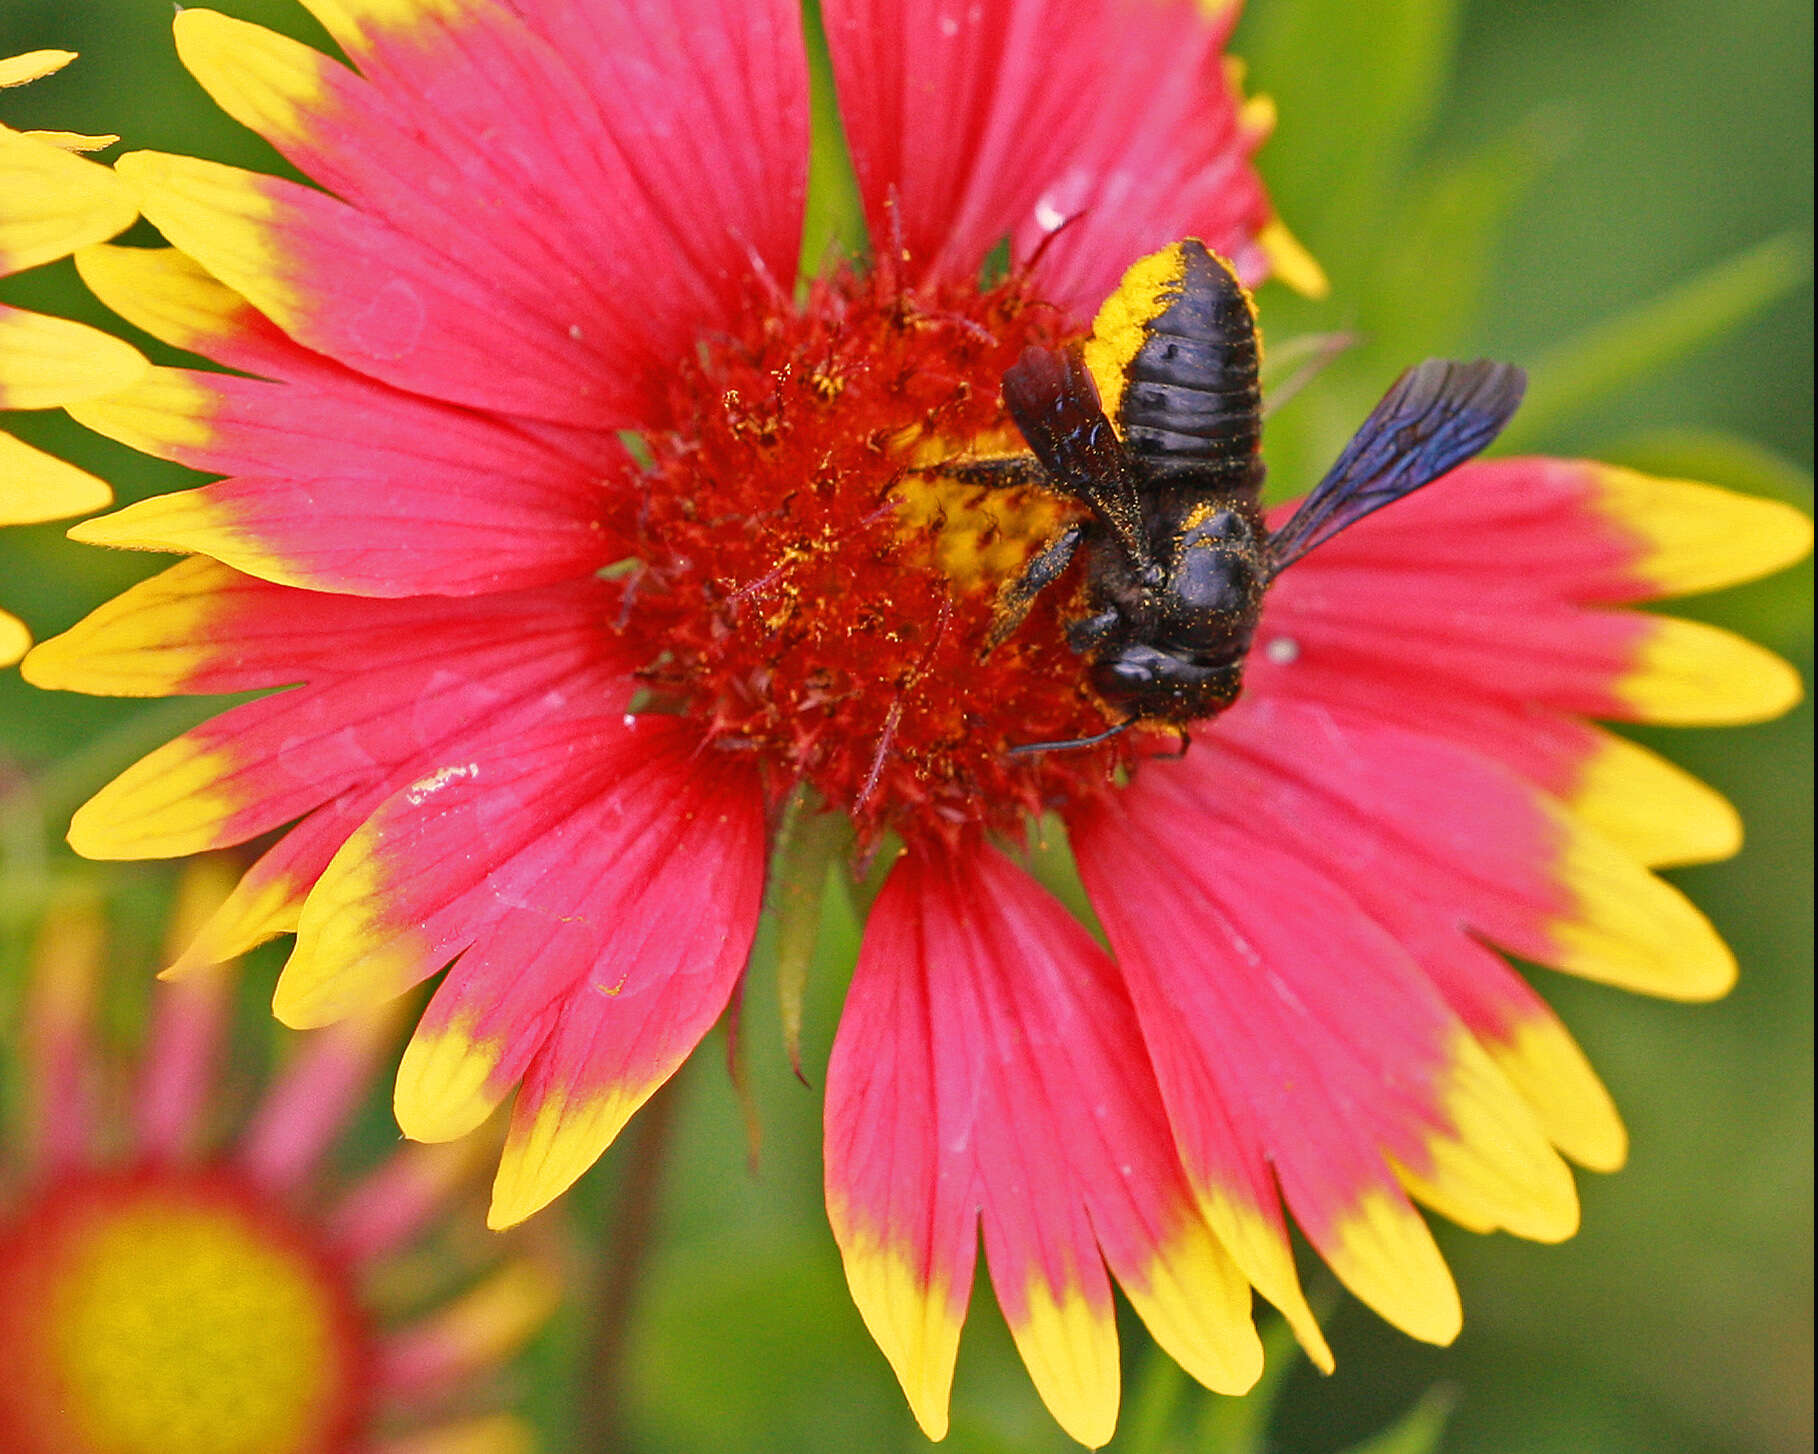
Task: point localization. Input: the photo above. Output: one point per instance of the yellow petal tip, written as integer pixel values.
(1069, 1347)
(547, 1151)
(1631, 929)
(32, 65)
(15, 640)
(1575, 1111)
(1290, 261)
(183, 521)
(443, 1089)
(914, 1321)
(1689, 674)
(1384, 1253)
(1651, 809)
(168, 804)
(1698, 537)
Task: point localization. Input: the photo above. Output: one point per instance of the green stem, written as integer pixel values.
(601, 1413)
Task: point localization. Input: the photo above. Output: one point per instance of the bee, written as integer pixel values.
(1175, 555)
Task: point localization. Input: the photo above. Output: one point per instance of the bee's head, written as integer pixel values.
(1155, 684)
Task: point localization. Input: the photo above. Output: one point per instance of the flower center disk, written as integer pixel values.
(819, 592)
(173, 1313)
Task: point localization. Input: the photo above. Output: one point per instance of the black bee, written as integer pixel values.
(1175, 553)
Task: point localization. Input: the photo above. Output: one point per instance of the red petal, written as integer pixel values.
(1309, 1024)
(1030, 1094)
(404, 689)
(450, 855)
(535, 225)
(904, 1208)
(970, 123)
(663, 887)
(347, 485)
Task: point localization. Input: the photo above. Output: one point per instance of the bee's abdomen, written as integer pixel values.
(1191, 390)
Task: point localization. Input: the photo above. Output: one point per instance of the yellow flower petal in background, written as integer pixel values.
(52, 203)
(72, 140)
(14, 639)
(48, 361)
(41, 487)
(34, 65)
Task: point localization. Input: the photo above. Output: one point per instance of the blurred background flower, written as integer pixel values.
(1631, 193)
(189, 1269)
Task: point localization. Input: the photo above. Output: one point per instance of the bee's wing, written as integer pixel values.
(1434, 417)
(1052, 398)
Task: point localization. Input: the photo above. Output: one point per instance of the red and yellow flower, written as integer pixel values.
(164, 1293)
(595, 548)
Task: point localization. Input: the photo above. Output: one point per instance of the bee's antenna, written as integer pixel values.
(1053, 232)
(1025, 748)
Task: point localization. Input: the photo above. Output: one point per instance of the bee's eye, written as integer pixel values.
(1224, 525)
(1215, 574)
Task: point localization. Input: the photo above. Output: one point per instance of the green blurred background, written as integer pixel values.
(1618, 195)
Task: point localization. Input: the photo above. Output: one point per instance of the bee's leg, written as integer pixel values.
(1023, 749)
(1086, 632)
(1000, 472)
(1014, 601)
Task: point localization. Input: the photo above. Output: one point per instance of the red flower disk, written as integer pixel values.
(584, 537)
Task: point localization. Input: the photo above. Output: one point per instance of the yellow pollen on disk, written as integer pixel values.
(180, 1326)
(978, 536)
